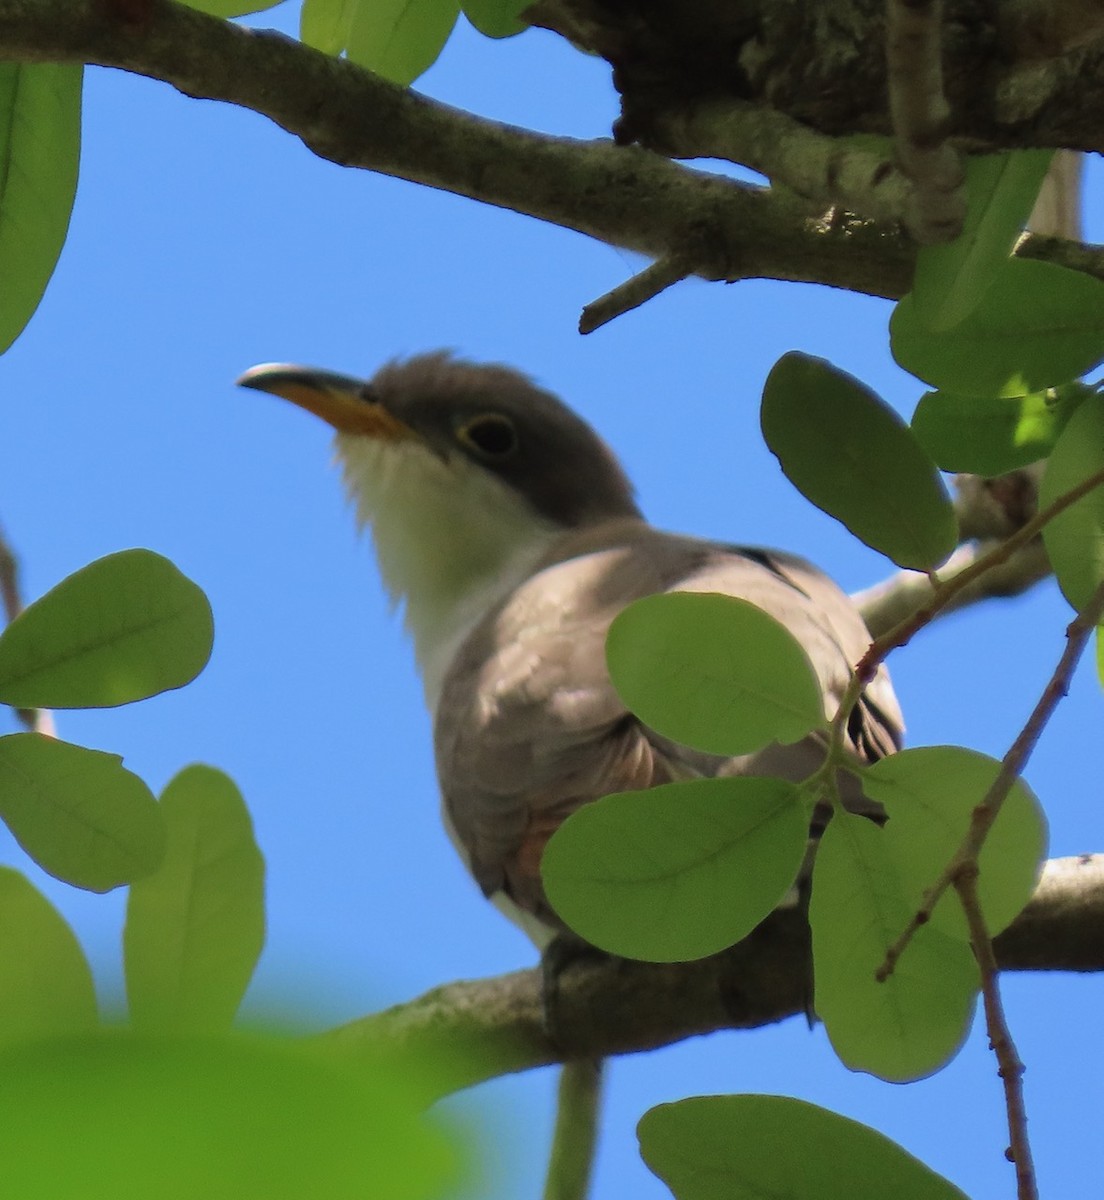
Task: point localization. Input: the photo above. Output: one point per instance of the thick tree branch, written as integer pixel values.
(621, 195)
(485, 1028)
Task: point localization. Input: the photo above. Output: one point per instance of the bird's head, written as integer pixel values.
(465, 474)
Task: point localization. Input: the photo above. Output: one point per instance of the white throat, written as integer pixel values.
(451, 540)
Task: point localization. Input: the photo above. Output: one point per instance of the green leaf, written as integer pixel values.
(195, 927)
(1038, 325)
(991, 435)
(679, 871)
(1100, 654)
(911, 1024)
(231, 8)
(929, 794)
(125, 1115)
(45, 981)
(78, 813)
(849, 453)
(775, 1147)
(713, 672)
(1074, 539)
(123, 628)
(951, 279)
(40, 118)
(324, 24)
(400, 39)
(497, 18)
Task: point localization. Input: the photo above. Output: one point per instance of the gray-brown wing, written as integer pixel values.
(529, 727)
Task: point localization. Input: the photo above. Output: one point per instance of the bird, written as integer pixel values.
(511, 535)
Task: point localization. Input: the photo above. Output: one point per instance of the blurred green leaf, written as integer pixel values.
(1074, 539)
(195, 927)
(951, 279)
(324, 24)
(679, 871)
(991, 435)
(915, 1021)
(1037, 325)
(125, 627)
(929, 794)
(400, 39)
(78, 813)
(45, 981)
(849, 453)
(1100, 654)
(497, 18)
(713, 672)
(775, 1147)
(231, 8)
(122, 1115)
(40, 124)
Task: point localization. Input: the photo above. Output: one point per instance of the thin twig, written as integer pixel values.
(634, 292)
(1012, 765)
(921, 118)
(578, 1100)
(35, 720)
(1010, 1067)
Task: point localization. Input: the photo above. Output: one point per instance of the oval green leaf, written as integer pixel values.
(914, 1022)
(195, 927)
(991, 435)
(754, 1147)
(40, 120)
(951, 279)
(849, 453)
(324, 24)
(400, 39)
(45, 982)
(929, 794)
(713, 672)
(1074, 539)
(125, 627)
(497, 18)
(679, 871)
(1038, 325)
(78, 813)
(231, 8)
(123, 1115)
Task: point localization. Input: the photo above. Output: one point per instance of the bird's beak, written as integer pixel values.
(343, 402)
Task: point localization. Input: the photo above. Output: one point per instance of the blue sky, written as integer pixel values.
(205, 240)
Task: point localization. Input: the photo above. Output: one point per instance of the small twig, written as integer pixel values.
(577, 1104)
(921, 115)
(634, 292)
(36, 720)
(1010, 1068)
(1012, 765)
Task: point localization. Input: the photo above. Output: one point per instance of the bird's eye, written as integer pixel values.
(490, 435)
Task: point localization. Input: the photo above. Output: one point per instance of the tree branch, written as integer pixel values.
(624, 196)
(482, 1029)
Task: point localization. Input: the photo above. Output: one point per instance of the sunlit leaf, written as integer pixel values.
(911, 1024)
(122, 1115)
(679, 871)
(45, 981)
(40, 118)
(713, 672)
(78, 813)
(324, 24)
(400, 39)
(231, 8)
(775, 1147)
(951, 279)
(497, 18)
(1037, 326)
(1074, 539)
(195, 927)
(125, 627)
(990, 435)
(929, 794)
(849, 453)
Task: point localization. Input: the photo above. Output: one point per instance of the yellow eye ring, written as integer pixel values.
(490, 435)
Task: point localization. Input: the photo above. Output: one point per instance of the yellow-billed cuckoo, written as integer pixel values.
(511, 534)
